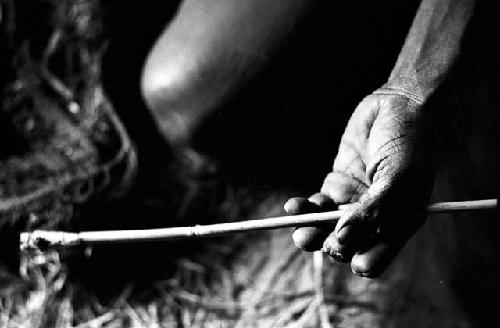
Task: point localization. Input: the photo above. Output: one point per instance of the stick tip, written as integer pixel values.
(43, 240)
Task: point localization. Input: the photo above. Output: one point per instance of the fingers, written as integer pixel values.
(324, 202)
(367, 209)
(342, 246)
(370, 233)
(373, 262)
(342, 188)
(337, 188)
(354, 231)
(299, 205)
(310, 238)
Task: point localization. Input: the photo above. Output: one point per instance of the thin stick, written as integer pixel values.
(45, 239)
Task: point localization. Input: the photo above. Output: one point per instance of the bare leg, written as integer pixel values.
(210, 49)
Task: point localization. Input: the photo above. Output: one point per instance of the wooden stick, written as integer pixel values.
(46, 239)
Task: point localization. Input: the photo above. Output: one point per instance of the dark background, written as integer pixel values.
(285, 125)
(281, 131)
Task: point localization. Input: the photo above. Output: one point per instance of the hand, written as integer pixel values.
(384, 170)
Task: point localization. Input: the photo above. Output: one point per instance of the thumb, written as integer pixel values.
(366, 210)
(358, 225)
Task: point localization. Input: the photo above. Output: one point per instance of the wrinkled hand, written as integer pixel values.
(384, 170)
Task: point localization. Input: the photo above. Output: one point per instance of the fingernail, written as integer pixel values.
(337, 256)
(343, 234)
(361, 274)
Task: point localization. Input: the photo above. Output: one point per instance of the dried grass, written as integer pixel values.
(223, 285)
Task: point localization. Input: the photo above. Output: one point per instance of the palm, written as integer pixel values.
(377, 144)
(385, 173)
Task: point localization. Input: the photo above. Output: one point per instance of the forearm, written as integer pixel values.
(431, 47)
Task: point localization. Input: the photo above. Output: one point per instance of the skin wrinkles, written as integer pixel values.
(347, 185)
(389, 150)
(365, 171)
(389, 132)
(219, 30)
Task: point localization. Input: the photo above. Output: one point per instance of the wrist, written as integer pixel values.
(411, 88)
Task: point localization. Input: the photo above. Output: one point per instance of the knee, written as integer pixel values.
(165, 87)
(162, 82)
